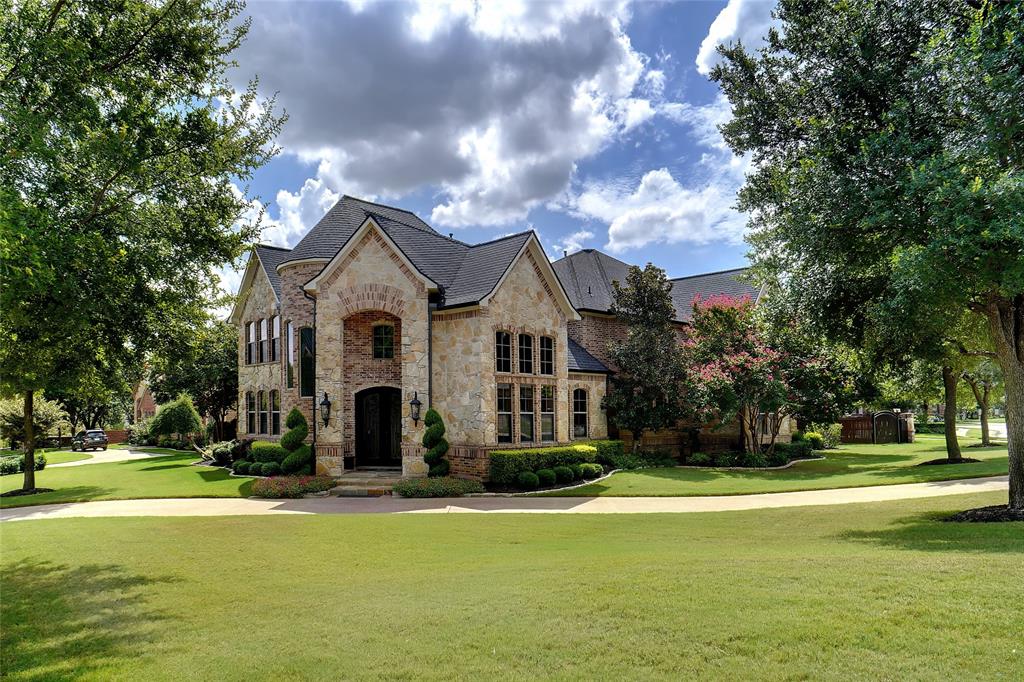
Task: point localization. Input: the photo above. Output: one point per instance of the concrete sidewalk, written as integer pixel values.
(507, 505)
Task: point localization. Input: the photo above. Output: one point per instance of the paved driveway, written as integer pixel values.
(227, 506)
(111, 455)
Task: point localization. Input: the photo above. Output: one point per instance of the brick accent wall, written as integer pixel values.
(595, 332)
(360, 369)
(299, 310)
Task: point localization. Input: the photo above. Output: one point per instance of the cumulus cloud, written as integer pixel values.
(492, 104)
(743, 20)
(658, 208)
(571, 243)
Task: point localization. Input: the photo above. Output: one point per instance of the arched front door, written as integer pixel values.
(379, 427)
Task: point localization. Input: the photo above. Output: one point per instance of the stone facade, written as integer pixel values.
(259, 303)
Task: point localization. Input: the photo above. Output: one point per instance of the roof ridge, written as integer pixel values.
(707, 274)
(271, 246)
(393, 208)
(432, 232)
(495, 241)
(604, 276)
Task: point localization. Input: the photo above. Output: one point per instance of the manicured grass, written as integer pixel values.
(56, 455)
(169, 476)
(851, 466)
(845, 592)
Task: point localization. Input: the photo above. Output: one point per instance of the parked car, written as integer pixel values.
(89, 440)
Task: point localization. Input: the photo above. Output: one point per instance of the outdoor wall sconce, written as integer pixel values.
(414, 407)
(325, 408)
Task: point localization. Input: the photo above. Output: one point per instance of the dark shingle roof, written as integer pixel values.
(582, 361)
(482, 267)
(587, 276)
(341, 222)
(271, 257)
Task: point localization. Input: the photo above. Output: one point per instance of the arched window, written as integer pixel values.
(250, 412)
(525, 354)
(264, 341)
(275, 338)
(579, 413)
(250, 343)
(547, 355)
(383, 341)
(275, 413)
(502, 352)
(261, 399)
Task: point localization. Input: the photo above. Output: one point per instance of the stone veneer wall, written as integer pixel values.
(299, 310)
(372, 276)
(596, 386)
(260, 302)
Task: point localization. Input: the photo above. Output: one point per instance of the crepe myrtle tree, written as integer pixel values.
(888, 170)
(124, 148)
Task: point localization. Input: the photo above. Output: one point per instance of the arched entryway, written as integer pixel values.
(378, 427)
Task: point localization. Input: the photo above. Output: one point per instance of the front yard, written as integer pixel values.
(169, 476)
(811, 593)
(851, 466)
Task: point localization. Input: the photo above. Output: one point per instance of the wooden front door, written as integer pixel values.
(379, 427)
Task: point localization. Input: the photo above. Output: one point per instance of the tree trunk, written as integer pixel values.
(30, 444)
(980, 397)
(1006, 328)
(949, 381)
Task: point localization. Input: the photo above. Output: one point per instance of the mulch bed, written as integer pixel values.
(21, 491)
(946, 460)
(997, 514)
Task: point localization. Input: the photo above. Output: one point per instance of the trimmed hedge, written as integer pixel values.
(15, 464)
(506, 465)
(291, 486)
(546, 477)
(270, 469)
(264, 451)
(816, 440)
(564, 475)
(528, 480)
(591, 470)
(241, 467)
(440, 486)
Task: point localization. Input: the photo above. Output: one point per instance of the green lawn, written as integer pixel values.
(168, 476)
(56, 455)
(846, 592)
(850, 466)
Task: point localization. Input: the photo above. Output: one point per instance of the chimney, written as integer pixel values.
(451, 235)
(565, 254)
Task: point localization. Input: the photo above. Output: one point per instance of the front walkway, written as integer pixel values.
(510, 505)
(111, 455)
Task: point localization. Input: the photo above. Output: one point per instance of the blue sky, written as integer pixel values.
(593, 123)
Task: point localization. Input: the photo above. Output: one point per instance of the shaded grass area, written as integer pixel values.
(850, 466)
(844, 592)
(168, 476)
(54, 455)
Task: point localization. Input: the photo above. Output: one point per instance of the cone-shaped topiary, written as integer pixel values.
(300, 455)
(437, 446)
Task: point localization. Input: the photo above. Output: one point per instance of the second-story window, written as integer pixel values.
(383, 342)
(275, 338)
(250, 343)
(264, 341)
(503, 352)
(307, 364)
(525, 354)
(547, 355)
(290, 352)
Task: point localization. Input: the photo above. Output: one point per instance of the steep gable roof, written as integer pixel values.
(482, 268)
(270, 257)
(587, 276)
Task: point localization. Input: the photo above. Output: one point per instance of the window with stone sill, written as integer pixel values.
(579, 413)
(250, 345)
(275, 338)
(547, 355)
(264, 341)
(383, 342)
(503, 352)
(504, 410)
(525, 354)
(547, 413)
(526, 416)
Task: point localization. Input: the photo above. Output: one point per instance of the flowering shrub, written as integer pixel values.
(830, 434)
(291, 486)
(440, 486)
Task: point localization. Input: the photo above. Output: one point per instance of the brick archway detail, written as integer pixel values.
(365, 297)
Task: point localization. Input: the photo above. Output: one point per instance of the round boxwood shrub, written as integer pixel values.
(563, 474)
(592, 470)
(577, 471)
(546, 477)
(528, 480)
(241, 467)
(270, 469)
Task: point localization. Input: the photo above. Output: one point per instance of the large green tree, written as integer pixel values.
(122, 140)
(886, 142)
(647, 388)
(205, 368)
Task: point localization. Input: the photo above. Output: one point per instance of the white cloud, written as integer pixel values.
(570, 243)
(493, 104)
(744, 20)
(297, 212)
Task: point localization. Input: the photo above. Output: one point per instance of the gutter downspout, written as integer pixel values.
(315, 416)
(431, 307)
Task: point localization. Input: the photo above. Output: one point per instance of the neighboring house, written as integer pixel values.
(143, 402)
(376, 314)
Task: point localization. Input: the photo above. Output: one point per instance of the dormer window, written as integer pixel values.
(383, 342)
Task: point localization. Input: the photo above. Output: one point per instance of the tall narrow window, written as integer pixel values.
(261, 398)
(503, 351)
(275, 413)
(275, 338)
(250, 412)
(264, 340)
(307, 364)
(383, 342)
(547, 412)
(504, 413)
(290, 340)
(526, 415)
(525, 354)
(250, 343)
(579, 413)
(547, 355)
